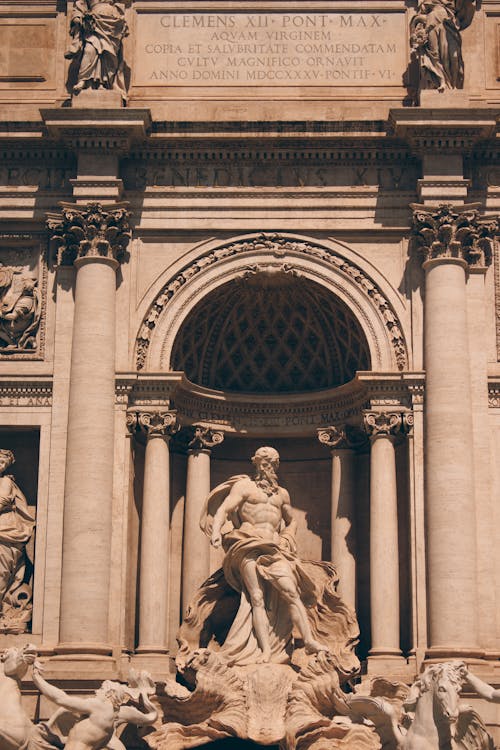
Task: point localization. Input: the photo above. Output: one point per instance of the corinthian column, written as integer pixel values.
(451, 238)
(155, 531)
(92, 238)
(196, 546)
(342, 526)
(382, 429)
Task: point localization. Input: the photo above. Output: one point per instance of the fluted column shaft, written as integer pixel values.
(451, 523)
(155, 532)
(196, 545)
(81, 234)
(451, 238)
(384, 546)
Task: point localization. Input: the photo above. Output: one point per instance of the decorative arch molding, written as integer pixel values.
(271, 251)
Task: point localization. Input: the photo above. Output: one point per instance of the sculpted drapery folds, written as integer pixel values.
(435, 39)
(98, 29)
(16, 528)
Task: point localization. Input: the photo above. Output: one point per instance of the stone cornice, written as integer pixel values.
(97, 129)
(148, 390)
(450, 130)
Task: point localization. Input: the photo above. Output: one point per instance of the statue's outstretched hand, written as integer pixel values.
(216, 540)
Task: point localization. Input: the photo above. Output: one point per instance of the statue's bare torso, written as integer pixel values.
(259, 510)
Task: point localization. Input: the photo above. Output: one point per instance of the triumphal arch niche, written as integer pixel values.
(249, 373)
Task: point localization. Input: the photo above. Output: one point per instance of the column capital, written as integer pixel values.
(162, 424)
(204, 438)
(382, 424)
(454, 233)
(91, 231)
(341, 437)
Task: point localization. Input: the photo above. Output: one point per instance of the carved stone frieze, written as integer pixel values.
(494, 393)
(496, 264)
(26, 391)
(92, 230)
(277, 245)
(204, 438)
(447, 231)
(158, 423)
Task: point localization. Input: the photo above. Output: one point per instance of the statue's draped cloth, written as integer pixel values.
(104, 29)
(220, 616)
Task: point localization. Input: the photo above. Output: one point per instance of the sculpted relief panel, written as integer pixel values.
(21, 280)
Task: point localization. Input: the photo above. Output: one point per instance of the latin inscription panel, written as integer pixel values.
(270, 49)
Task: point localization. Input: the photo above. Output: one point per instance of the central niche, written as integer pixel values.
(270, 332)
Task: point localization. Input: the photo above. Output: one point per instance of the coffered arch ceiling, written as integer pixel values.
(270, 332)
(342, 317)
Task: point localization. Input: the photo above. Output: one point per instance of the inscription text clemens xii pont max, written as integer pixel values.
(270, 49)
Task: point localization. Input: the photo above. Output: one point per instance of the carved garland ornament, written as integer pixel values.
(279, 246)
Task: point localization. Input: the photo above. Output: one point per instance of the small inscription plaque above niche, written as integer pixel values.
(341, 49)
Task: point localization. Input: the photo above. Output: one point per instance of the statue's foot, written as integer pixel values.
(266, 656)
(79, 87)
(314, 647)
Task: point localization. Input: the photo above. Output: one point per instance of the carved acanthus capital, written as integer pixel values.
(90, 231)
(204, 438)
(382, 423)
(158, 423)
(447, 231)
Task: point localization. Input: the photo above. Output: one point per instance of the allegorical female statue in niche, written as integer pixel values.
(436, 41)
(16, 528)
(98, 29)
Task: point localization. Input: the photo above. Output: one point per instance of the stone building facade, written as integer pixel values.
(255, 224)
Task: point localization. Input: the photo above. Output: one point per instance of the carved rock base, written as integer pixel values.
(266, 703)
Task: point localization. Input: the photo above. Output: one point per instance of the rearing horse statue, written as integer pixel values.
(430, 718)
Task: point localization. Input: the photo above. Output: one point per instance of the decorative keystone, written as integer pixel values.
(91, 231)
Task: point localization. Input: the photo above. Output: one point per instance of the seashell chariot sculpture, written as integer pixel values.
(266, 649)
(266, 653)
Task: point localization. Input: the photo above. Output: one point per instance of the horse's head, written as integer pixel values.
(445, 682)
(15, 661)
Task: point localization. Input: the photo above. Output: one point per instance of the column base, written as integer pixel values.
(445, 653)
(84, 650)
(392, 666)
(159, 666)
(153, 650)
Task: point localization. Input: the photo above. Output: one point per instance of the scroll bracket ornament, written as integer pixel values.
(389, 424)
(158, 423)
(342, 437)
(455, 232)
(204, 438)
(89, 231)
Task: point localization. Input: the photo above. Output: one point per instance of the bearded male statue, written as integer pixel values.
(265, 604)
